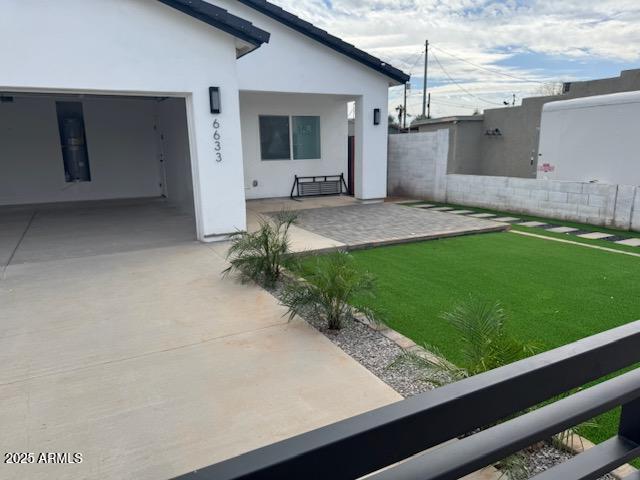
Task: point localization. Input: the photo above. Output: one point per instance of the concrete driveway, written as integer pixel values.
(120, 340)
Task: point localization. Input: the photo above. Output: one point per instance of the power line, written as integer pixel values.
(460, 86)
(497, 72)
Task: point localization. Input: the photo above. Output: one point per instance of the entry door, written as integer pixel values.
(351, 158)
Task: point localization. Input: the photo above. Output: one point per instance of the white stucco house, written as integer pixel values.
(206, 103)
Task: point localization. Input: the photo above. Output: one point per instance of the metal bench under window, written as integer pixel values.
(319, 185)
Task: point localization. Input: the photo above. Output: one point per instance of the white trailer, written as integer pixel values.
(591, 139)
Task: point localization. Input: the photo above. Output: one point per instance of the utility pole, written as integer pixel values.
(424, 82)
(429, 105)
(404, 111)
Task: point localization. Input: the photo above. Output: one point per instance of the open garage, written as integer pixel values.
(84, 173)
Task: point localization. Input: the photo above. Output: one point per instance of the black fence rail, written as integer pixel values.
(318, 185)
(381, 438)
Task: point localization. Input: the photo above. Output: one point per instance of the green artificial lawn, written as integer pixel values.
(540, 231)
(554, 293)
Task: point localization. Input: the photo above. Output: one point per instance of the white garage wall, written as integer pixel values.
(172, 123)
(120, 139)
(275, 177)
(137, 47)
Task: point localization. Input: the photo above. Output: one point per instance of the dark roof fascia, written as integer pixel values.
(221, 19)
(296, 23)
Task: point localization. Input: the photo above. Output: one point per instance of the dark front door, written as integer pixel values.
(351, 159)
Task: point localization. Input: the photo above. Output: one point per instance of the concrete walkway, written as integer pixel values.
(138, 355)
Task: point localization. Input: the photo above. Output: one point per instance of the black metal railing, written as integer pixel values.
(396, 435)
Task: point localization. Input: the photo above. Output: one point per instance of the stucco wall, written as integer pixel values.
(275, 177)
(121, 143)
(292, 62)
(137, 47)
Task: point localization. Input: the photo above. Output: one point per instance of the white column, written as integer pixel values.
(218, 185)
(371, 147)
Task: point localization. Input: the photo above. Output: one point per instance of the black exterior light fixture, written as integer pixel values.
(376, 116)
(493, 132)
(214, 99)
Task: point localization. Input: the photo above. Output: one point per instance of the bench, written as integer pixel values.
(319, 185)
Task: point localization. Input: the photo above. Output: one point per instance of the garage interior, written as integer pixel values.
(91, 174)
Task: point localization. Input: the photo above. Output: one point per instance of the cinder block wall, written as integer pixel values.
(594, 203)
(417, 164)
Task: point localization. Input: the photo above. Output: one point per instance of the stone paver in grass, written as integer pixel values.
(633, 242)
(506, 219)
(442, 209)
(461, 212)
(595, 235)
(425, 205)
(483, 215)
(532, 224)
(562, 229)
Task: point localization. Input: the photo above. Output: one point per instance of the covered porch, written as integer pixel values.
(285, 135)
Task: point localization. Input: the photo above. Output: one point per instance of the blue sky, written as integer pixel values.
(484, 51)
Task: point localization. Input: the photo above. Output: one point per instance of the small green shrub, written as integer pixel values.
(486, 343)
(260, 255)
(332, 285)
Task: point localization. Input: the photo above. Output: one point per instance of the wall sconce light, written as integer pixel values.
(376, 116)
(214, 99)
(493, 133)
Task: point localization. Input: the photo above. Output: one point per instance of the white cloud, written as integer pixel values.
(483, 32)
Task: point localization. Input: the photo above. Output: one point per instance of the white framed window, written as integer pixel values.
(306, 137)
(284, 137)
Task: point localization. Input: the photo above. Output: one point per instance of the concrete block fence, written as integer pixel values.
(593, 203)
(417, 168)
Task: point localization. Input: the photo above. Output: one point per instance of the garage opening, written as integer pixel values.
(93, 173)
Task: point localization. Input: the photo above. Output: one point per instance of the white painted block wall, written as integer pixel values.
(413, 173)
(418, 164)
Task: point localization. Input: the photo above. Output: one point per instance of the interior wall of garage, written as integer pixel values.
(121, 142)
(174, 145)
(275, 177)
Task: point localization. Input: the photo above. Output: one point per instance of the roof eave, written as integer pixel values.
(223, 20)
(296, 23)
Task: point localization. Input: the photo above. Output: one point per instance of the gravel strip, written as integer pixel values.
(540, 459)
(380, 356)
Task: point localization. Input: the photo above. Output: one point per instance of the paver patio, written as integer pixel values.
(379, 223)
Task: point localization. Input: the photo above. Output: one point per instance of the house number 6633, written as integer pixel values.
(217, 140)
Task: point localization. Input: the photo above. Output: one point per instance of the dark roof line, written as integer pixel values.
(311, 31)
(220, 18)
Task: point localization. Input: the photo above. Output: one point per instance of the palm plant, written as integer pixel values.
(330, 291)
(260, 255)
(486, 343)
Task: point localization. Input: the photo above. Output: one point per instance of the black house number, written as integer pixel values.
(217, 140)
